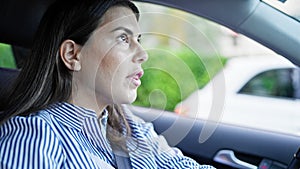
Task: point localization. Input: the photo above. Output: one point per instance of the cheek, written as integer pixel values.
(106, 64)
(108, 67)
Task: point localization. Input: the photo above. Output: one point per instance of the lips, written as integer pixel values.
(135, 77)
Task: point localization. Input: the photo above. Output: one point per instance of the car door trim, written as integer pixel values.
(227, 157)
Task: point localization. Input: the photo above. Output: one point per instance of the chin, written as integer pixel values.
(131, 97)
(131, 100)
(126, 98)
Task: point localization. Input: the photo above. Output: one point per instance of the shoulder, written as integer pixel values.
(37, 123)
(27, 139)
(32, 127)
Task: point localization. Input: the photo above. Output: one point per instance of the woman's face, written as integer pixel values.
(111, 60)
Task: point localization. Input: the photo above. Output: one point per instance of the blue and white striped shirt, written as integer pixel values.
(68, 136)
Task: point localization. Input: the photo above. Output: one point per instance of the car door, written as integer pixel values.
(203, 141)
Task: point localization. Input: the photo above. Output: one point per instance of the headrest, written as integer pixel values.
(19, 20)
(7, 77)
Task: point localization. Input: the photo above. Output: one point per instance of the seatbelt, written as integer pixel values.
(122, 157)
(123, 160)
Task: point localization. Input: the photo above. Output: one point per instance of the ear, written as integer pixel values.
(70, 55)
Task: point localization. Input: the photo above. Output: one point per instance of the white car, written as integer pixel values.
(262, 95)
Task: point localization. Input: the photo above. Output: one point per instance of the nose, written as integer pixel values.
(140, 54)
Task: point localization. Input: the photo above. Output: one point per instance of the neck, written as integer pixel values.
(89, 101)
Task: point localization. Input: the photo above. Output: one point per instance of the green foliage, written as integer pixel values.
(6, 56)
(171, 77)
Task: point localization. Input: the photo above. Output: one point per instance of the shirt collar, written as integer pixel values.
(71, 115)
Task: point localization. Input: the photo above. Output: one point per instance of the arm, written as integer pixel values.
(29, 142)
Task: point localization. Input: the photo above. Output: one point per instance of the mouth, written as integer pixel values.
(135, 78)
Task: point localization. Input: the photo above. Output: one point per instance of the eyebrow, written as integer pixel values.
(128, 31)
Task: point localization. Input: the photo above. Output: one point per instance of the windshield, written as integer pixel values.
(290, 7)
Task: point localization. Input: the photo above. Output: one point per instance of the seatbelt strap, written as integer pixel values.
(123, 160)
(122, 157)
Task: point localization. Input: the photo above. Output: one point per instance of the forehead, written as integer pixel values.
(119, 16)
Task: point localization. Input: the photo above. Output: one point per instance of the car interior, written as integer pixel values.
(221, 145)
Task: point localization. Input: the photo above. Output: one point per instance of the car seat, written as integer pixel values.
(7, 77)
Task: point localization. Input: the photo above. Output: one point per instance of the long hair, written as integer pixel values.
(45, 79)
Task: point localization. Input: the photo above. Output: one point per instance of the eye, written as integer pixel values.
(123, 38)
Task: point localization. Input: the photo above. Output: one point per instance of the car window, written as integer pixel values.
(290, 7)
(274, 83)
(185, 54)
(6, 56)
(12, 56)
(188, 52)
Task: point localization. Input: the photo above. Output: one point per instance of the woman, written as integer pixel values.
(65, 109)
